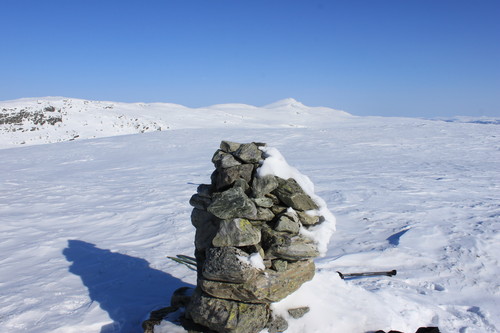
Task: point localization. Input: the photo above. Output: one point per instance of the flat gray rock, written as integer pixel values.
(248, 153)
(236, 232)
(267, 287)
(291, 194)
(232, 203)
(227, 316)
(224, 264)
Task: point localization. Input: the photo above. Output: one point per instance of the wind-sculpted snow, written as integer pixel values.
(86, 225)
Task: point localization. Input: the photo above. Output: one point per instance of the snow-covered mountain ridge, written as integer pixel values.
(56, 119)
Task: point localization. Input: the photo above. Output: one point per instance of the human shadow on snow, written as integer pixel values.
(124, 286)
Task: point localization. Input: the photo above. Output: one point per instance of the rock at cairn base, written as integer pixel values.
(250, 250)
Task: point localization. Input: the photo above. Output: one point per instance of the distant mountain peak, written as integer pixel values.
(283, 103)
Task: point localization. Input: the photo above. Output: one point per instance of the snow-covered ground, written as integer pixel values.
(85, 226)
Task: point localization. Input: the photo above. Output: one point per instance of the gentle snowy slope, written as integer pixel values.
(56, 119)
(85, 226)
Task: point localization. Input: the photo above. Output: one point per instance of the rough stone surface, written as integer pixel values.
(262, 186)
(181, 297)
(241, 183)
(223, 178)
(227, 316)
(290, 193)
(287, 224)
(277, 324)
(236, 232)
(248, 153)
(156, 317)
(307, 219)
(268, 286)
(229, 147)
(263, 202)
(297, 249)
(277, 209)
(204, 235)
(205, 190)
(231, 204)
(279, 265)
(287, 246)
(200, 202)
(199, 217)
(224, 264)
(298, 312)
(223, 160)
(264, 214)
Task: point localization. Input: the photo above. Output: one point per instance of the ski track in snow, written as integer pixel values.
(85, 226)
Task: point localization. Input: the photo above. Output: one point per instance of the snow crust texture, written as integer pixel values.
(85, 226)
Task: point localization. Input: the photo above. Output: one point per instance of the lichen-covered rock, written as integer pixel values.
(297, 313)
(268, 286)
(287, 246)
(290, 193)
(229, 147)
(224, 178)
(248, 153)
(226, 264)
(226, 316)
(263, 202)
(279, 265)
(277, 324)
(236, 232)
(308, 219)
(262, 186)
(286, 223)
(264, 214)
(232, 203)
(223, 160)
(241, 183)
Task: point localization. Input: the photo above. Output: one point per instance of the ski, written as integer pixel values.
(187, 258)
(188, 263)
(344, 276)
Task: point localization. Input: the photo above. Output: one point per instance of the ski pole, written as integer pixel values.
(351, 275)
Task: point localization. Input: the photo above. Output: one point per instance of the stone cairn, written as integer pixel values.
(249, 250)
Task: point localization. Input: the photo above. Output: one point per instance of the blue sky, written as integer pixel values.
(424, 58)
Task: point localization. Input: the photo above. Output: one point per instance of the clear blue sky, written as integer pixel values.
(374, 57)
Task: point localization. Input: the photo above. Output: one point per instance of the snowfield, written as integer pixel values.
(86, 225)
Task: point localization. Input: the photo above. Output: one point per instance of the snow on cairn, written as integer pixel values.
(275, 164)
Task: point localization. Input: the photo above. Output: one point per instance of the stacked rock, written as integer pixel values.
(249, 248)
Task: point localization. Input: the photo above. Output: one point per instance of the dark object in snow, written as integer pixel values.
(190, 262)
(156, 317)
(428, 330)
(420, 330)
(353, 275)
(277, 325)
(298, 312)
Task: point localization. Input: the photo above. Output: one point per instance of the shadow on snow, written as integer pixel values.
(124, 286)
(394, 239)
